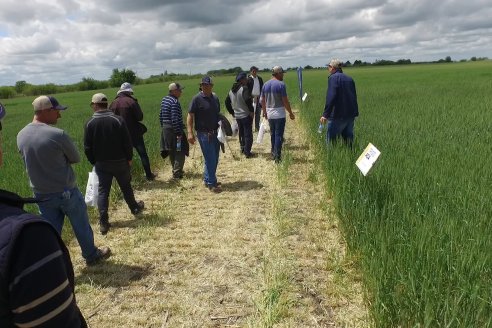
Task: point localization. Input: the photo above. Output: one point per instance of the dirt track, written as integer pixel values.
(199, 259)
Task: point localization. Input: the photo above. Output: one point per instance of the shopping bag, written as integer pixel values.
(91, 191)
(235, 128)
(261, 131)
(221, 136)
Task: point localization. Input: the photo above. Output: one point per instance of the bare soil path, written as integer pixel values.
(265, 252)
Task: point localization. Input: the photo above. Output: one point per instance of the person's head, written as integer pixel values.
(175, 89)
(99, 102)
(278, 72)
(253, 70)
(206, 85)
(242, 78)
(47, 109)
(334, 65)
(125, 87)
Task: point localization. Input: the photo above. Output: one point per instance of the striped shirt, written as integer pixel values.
(172, 114)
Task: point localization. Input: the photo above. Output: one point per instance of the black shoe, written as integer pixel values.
(215, 189)
(137, 210)
(151, 177)
(104, 227)
(102, 253)
(250, 155)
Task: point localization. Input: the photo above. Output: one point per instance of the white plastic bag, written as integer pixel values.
(261, 131)
(91, 191)
(235, 128)
(221, 136)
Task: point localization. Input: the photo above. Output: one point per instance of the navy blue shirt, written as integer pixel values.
(206, 110)
(341, 97)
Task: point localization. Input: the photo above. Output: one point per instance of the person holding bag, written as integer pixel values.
(108, 147)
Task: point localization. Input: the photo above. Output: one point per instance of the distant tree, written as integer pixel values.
(347, 63)
(119, 77)
(357, 62)
(473, 58)
(7, 92)
(308, 67)
(19, 86)
(448, 59)
(403, 61)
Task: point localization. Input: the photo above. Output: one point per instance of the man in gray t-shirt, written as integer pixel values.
(48, 153)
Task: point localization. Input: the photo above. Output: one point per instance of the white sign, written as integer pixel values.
(304, 97)
(367, 159)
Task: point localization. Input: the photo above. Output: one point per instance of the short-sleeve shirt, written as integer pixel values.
(206, 110)
(273, 91)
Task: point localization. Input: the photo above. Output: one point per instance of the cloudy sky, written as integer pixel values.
(62, 41)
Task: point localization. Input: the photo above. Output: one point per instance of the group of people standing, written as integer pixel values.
(36, 273)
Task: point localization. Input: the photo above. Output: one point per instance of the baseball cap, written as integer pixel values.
(277, 69)
(47, 102)
(125, 87)
(241, 76)
(99, 98)
(206, 80)
(175, 86)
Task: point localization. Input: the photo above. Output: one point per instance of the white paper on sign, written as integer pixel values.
(304, 97)
(367, 159)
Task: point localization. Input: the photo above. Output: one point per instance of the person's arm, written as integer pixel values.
(331, 94)
(88, 142)
(41, 285)
(69, 149)
(228, 104)
(137, 111)
(189, 123)
(177, 118)
(285, 101)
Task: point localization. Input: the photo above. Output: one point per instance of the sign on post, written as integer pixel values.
(367, 159)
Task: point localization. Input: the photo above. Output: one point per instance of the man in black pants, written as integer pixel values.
(108, 147)
(255, 83)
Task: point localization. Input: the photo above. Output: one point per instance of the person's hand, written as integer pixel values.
(265, 114)
(191, 138)
(251, 114)
(130, 163)
(292, 116)
(322, 120)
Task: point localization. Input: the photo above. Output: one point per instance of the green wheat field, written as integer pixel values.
(419, 225)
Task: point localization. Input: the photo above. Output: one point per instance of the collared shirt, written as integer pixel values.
(256, 86)
(206, 110)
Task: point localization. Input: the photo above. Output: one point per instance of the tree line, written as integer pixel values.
(23, 88)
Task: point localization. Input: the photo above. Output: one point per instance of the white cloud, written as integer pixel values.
(62, 41)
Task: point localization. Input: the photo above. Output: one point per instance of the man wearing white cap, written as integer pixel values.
(341, 106)
(274, 103)
(108, 147)
(126, 106)
(48, 154)
(173, 139)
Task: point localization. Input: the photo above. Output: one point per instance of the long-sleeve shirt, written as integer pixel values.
(48, 153)
(172, 114)
(341, 97)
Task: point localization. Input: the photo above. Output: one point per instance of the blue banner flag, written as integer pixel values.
(299, 78)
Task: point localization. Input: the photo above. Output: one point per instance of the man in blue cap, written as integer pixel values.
(203, 115)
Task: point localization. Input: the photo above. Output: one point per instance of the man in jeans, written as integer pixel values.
(274, 103)
(108, 147)
(203, 114)
(341, 107)
(48, 153)
(126, 106)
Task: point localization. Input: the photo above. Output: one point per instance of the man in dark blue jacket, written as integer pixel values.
(341, 107)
